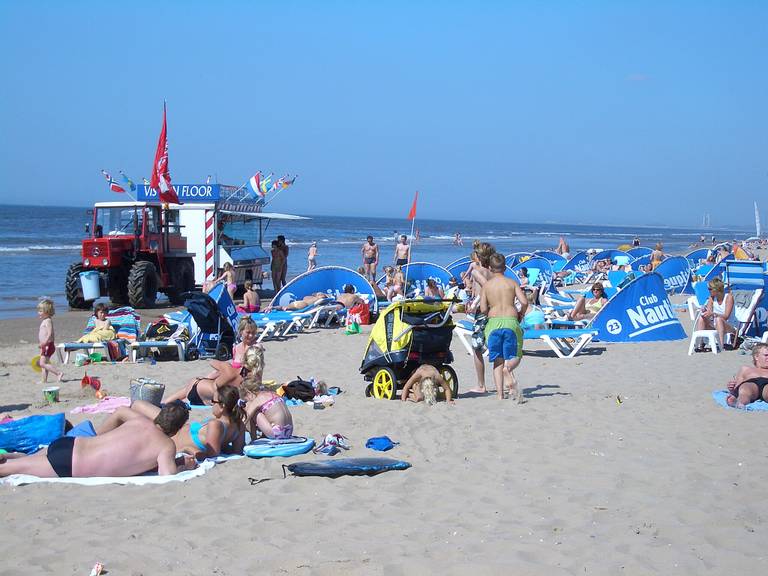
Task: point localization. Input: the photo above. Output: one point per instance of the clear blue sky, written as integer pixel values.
(594, 112)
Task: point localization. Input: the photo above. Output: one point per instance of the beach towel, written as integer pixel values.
(108, 405)
(24, 479)
(27, 434)
(721, 395)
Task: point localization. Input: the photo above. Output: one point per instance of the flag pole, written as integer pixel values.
(410, 248)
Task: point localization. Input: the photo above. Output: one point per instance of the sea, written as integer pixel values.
(37, 244)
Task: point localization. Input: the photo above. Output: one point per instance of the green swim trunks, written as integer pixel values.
(504, 338)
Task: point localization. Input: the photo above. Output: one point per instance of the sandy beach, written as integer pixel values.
(571, 482)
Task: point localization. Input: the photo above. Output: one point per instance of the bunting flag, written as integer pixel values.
(128, 181)
(114, 186)
(146, 182)
(265, 185)
(286, 181)
(161, 176)
(254, 185)
(412, 213)
(208, 180)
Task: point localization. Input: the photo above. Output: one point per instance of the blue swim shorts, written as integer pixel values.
(504, 339)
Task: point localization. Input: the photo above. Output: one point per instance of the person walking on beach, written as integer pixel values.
(370, 252)
(284, 247)
(312, 257)
(45, 312)
(402, 251)
(503, 335)
(457, 241)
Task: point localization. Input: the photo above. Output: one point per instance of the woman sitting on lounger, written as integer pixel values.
(751, 382)
(719, 312)
(588, 307)
(265, 410)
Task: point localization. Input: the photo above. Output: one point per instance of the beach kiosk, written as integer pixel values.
(138, 248)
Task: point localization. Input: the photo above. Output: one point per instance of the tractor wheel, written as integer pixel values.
(449, 375)
(117, 286)
(182, 274)
(142, 284)
(385, 384)
(73, 288)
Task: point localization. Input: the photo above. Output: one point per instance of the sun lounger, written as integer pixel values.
(564, 342)
(124, 320)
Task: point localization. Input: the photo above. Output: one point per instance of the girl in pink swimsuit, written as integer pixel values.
(265, 410)
(247, 334)
(228, 278)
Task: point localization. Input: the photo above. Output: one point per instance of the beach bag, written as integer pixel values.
(299, 390)
(117, 350)
(148, 390)
(163, 330)
(360, 313)
(27, 434)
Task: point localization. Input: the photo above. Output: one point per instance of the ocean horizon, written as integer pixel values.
(38, 243)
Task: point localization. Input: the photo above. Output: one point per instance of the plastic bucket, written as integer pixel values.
(51, 394)
(89, 280)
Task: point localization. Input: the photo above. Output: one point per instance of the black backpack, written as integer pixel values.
(299, 390)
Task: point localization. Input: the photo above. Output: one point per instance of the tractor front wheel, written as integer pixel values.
(73, 288)
(385, 384)
(142, 284)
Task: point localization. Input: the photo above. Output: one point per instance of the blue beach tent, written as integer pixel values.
(516, 257)
(417, 274)
(639, 251)
(639, 312)
(676, 272)
(328, 279)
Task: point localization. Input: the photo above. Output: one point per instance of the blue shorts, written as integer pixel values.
(503, 338)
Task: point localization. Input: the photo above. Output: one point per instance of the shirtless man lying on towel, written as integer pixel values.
(135, 447)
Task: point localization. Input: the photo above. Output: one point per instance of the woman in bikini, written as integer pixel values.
(588, 307)
(228, 279)
(265, 410)
(223, 432)
(202, 391)
(751, 382)
(251, 301)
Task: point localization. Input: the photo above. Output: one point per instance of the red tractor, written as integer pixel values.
(138, 250)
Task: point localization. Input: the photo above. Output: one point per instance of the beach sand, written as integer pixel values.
(571, 482)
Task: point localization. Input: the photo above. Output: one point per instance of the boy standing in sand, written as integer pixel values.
(45, 312)
(370, 251)
(503, 335)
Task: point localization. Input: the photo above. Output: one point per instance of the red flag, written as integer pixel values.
(161, 177)
(412, 213)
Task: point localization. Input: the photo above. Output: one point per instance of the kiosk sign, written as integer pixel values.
(207, 193)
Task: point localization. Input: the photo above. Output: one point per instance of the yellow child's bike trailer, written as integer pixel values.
(406, 335)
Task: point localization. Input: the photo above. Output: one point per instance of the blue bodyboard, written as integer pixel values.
(270, 447)
(346, 467)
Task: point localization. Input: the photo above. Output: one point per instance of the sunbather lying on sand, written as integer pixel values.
(423, 386)
(224, 432)
(201, 391)
(134, 448)
(750, 382)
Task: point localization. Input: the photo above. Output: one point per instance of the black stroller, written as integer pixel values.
(214, 336)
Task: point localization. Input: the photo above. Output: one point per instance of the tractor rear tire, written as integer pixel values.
(73, 288)
(182, 273)
(117, 286)
(142, 284)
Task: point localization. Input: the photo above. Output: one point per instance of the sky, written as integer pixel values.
(615, 112)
